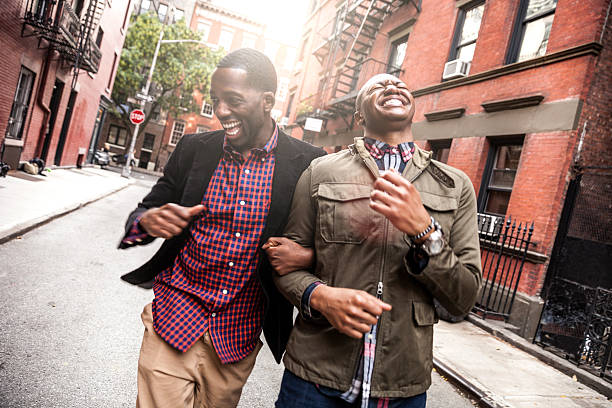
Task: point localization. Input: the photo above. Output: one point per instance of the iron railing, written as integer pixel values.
(503, 249)
(577, 325)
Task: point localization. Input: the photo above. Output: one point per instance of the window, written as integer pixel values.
(204, 30)
(397, 55)
(148, 142)
(249, 40)
(145, 6)
(271, 49)
(498, 178)
(207, 109)
(283, 89)
(178, 15)
(117, 135)
(441, 149)
(99, 37)
(178, 130)
(289, 104)
(109, 85)
(155, 115)
(226, 38)
(466, 32)
(202, 129)
(532, 29)
(162, 12)
(21, 103)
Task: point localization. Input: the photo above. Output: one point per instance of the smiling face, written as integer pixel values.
(242, 110)
(384, 104)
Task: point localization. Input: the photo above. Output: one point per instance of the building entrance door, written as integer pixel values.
(56, 97)
(65, 127)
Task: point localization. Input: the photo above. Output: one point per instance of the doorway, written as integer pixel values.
(56, 97)
(59, 151)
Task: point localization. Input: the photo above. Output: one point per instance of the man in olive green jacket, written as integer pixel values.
(386, 243)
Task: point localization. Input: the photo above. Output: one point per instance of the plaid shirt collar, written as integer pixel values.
(378, 149)
(260, 151)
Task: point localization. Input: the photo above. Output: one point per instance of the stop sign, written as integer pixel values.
(137, 116)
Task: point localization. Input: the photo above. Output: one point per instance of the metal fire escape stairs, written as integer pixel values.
(86, 46)
(355, 31)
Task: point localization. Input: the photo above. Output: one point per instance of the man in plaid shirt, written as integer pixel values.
(222, 195)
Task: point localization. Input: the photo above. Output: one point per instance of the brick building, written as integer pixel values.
(514, 93)
(58, 65)
(220, 27)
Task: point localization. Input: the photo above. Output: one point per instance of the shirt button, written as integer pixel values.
(237, 235)
(231, 264)
(247, 171)
(213, 314)
(264, 159)
(224, 291)
(242, 202)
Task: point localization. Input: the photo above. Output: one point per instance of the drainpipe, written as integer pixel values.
(40, 93)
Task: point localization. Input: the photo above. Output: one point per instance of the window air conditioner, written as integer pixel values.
(456, 69)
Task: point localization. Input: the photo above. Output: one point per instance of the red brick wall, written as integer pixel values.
(15, 51)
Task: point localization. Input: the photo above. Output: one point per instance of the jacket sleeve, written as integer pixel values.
(301, 229)
(167, 190)
(454, 276)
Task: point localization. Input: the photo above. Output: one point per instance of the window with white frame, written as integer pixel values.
(207, 109)
(249, 40)
(204, 30)
(202, 129)
(178, 15)
(178, 130)
(271, 49)
(283, 89)
(225, 39)
(162, 12)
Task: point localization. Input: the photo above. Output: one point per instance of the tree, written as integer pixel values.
(180, 70)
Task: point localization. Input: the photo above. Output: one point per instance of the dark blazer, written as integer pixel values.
(184, 182)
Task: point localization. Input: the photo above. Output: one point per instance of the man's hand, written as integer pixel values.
(168, 220)
(287, 256)
(398, 200)
(350, 311)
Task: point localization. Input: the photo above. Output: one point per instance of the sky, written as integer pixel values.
(284, 18)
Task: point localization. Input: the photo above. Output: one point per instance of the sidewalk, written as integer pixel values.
(27, 201)
(503, 375)
(499, 373)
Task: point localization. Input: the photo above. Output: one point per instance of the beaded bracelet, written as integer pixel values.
(422, 234)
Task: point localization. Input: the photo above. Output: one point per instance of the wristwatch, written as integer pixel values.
(434, 243)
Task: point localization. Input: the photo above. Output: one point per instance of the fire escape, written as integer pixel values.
(344, 53)
(70, 32)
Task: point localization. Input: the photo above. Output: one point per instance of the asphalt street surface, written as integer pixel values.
(70, 329)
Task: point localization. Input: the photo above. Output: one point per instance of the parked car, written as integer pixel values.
(102, 158)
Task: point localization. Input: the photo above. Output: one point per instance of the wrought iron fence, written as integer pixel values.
(503, 248)
(577, 325)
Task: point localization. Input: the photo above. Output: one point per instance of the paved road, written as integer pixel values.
(70, 330)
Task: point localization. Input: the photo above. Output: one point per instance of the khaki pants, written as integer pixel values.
(169, 378)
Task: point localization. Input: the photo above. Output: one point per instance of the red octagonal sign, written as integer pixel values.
(137, 116)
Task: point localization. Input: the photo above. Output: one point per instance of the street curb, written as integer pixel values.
(562, 365)
(484, 397)
(40, 221)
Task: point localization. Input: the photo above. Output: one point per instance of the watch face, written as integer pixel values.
(435, 243)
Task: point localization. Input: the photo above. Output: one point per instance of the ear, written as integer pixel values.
(359, 118)
(268, 101)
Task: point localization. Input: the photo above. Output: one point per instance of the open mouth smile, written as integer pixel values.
(393, 101)
(232, 127)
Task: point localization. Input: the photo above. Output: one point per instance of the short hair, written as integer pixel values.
(260, 70)
(369, 83)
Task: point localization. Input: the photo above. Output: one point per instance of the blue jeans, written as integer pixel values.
(298, 393)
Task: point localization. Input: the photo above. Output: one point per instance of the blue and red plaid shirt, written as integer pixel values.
(213, 284)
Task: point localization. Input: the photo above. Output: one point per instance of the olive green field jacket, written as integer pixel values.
(356, 247)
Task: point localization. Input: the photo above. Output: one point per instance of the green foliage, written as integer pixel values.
(181, 68)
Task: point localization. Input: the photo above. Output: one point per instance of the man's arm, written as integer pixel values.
(157, 215)
(350, 311)
(454, 275)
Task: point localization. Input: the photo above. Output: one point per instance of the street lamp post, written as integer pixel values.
(127, 167)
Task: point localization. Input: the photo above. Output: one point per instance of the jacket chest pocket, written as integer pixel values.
(442, 208)
(343, 212)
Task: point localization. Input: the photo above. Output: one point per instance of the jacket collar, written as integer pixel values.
(420, 159)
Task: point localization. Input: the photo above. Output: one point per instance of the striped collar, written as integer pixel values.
(378, 149)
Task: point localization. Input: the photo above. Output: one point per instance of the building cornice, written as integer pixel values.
(230, 13)
(592, 48)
